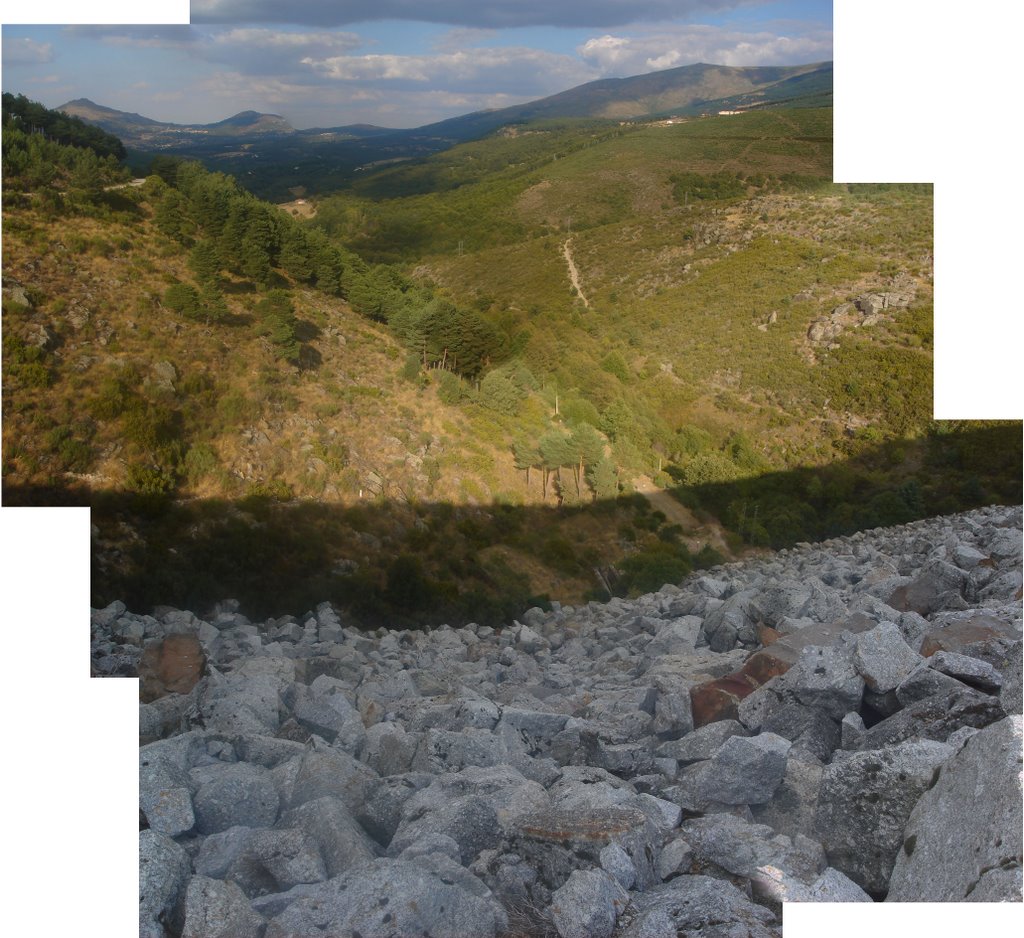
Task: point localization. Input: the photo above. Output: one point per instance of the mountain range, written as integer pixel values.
(689, 89)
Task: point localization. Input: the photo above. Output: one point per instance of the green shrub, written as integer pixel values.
(709, 467)
(652, 568)
(72, 453)
(200, 461)
(451, 389)
(183, 299)
(270, 490)
(146, 479)
(559, 553)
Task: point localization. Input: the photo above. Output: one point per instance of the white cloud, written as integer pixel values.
(260, 38)
(647, 51)
(512, 71)
(25, 51)
(607, 51)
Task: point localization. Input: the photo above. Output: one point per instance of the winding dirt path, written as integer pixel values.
(574, 274)
(695, 533)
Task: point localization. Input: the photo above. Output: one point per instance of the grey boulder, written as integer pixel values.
(215, 908)
(389, 899)
(588, 905)
(163, 875)
(864, 804)
(745, 770)
(962, 842)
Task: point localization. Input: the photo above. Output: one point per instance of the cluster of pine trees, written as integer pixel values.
(225, 228)
(580, 450)
(56, 155)
(32, 118)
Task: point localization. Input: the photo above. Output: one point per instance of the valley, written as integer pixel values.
(573, 357)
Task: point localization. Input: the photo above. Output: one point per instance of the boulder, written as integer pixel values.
(883, 658)
(215, 908)
(557, 841)
(957, 635)
(792, 807)
(471, 821)
(825, 679)
(831, 886)
(972, 671)
(975, 804)
(272, 861)
(753, 851)
(702, 743)
(173, 665)
(698, 905)
(321, 771)
(165, 797)
(164, 870)
(864, 803)
(338, 837)
(332, 717)
(807, 728)
(230, 794)
(745, 770)
(588, 905)
(935, 717)
(389, 898)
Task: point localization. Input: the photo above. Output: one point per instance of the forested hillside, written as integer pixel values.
(405, 405)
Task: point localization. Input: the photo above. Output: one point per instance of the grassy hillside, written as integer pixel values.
(255, 404)
(705, 249)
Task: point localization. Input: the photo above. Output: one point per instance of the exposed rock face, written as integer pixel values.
(679, 763)
(976, 806)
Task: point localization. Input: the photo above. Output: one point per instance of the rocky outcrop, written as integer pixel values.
(866, 310)
(577, 772)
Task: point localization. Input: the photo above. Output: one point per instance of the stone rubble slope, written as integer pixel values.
(836, 722)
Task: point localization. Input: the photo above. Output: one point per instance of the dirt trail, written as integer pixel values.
(695, 533)
(574, 274)
(134, 184)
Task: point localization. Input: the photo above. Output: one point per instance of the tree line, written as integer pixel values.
(32, 118)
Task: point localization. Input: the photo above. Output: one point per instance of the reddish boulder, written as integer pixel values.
(720, 698)
(966, 632)
(173, 665)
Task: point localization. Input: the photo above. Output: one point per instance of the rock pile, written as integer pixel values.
(816, 725)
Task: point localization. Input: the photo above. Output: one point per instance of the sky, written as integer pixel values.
(395, 63)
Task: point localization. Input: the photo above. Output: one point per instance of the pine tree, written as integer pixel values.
(604, 479)
(86, 176)
(278, 322)
(184, 300)
(258, 247)
(214, 305)
(526, 455)
(296, 255)
(170, 215)
(587, 448)
(229, 242)
(254, 258)
(555, 452)
(204, 262)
